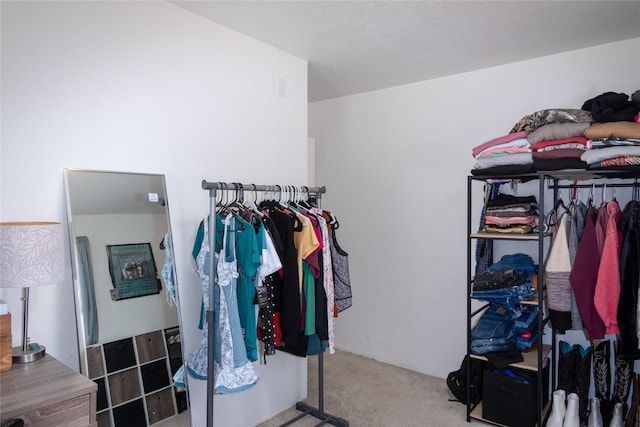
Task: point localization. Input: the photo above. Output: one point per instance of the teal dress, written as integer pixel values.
(248, 260)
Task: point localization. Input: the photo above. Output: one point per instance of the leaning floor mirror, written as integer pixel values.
(127, 306)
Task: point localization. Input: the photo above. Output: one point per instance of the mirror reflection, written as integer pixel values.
(126, 296)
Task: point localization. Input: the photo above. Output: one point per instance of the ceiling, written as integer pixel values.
(360, 46)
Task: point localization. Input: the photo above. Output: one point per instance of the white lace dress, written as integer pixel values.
(233, 371)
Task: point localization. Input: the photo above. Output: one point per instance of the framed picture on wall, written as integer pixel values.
(133, 271)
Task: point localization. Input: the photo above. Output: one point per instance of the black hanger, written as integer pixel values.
(559, 204)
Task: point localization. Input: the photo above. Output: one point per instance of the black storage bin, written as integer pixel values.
(119, 355)
(513, 401)
(155, 375)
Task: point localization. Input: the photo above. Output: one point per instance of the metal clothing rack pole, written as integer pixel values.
(306, 409)
(213, 279)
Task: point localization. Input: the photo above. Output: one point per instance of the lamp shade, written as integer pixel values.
(31, 254)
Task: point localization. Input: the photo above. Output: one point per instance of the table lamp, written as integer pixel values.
(31, 254)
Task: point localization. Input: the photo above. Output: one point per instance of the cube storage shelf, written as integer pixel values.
(134, 378)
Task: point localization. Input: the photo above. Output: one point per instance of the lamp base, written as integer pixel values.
(34, 352)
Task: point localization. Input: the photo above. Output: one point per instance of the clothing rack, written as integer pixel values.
(306, 409)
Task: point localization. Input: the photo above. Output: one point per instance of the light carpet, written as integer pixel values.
(368, 393)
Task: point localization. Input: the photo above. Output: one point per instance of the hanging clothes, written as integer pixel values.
(583, 277)
(168, 270)
(232, 370)
(327, 278)
(607, 291)
(578, 213)
(601, 226)
(284, 255)
(627, 314)
(86, 282)
(289, 317)
(248, 262)
(557, 272)
(305, 243)
(265, 281)
(268, 314)
(341, 275)
(578, 210)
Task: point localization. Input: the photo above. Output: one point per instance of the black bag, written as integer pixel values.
(457, 380)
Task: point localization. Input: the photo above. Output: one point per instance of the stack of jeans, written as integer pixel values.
(507, 282)
(506, 324)
(501, 329)
(493, 332)
(525, 325)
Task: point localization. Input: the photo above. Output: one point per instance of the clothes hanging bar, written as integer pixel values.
(213, 186)
(618, 185)
(303, 407)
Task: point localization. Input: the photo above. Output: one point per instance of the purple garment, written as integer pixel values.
(584, 275)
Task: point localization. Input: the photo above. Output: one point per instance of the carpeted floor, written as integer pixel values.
(368, 393)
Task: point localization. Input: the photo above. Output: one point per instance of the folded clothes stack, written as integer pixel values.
(603, 133)
(506, 324)
(511, 214)
(508, 282)
(493, 332)
(500, 329)
(525, 327)
(506, 154)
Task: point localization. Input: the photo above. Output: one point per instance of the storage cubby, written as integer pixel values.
(130, 415)
(102, 401)
(119, 355)
(174, 349)
(150, 346)
(124, 385)
(159, 406)
(155, 375)
(95, 363)
(134, 377)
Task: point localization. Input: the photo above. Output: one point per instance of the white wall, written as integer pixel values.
(395, 163)
(146, 87)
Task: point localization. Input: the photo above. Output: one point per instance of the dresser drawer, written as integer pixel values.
(70, 413)
(47, 393)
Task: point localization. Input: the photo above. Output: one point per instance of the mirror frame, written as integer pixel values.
(79, 314)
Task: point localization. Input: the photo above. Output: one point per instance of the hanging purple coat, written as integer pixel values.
(584, 274)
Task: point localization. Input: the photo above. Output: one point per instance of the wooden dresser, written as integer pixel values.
(47, 393)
